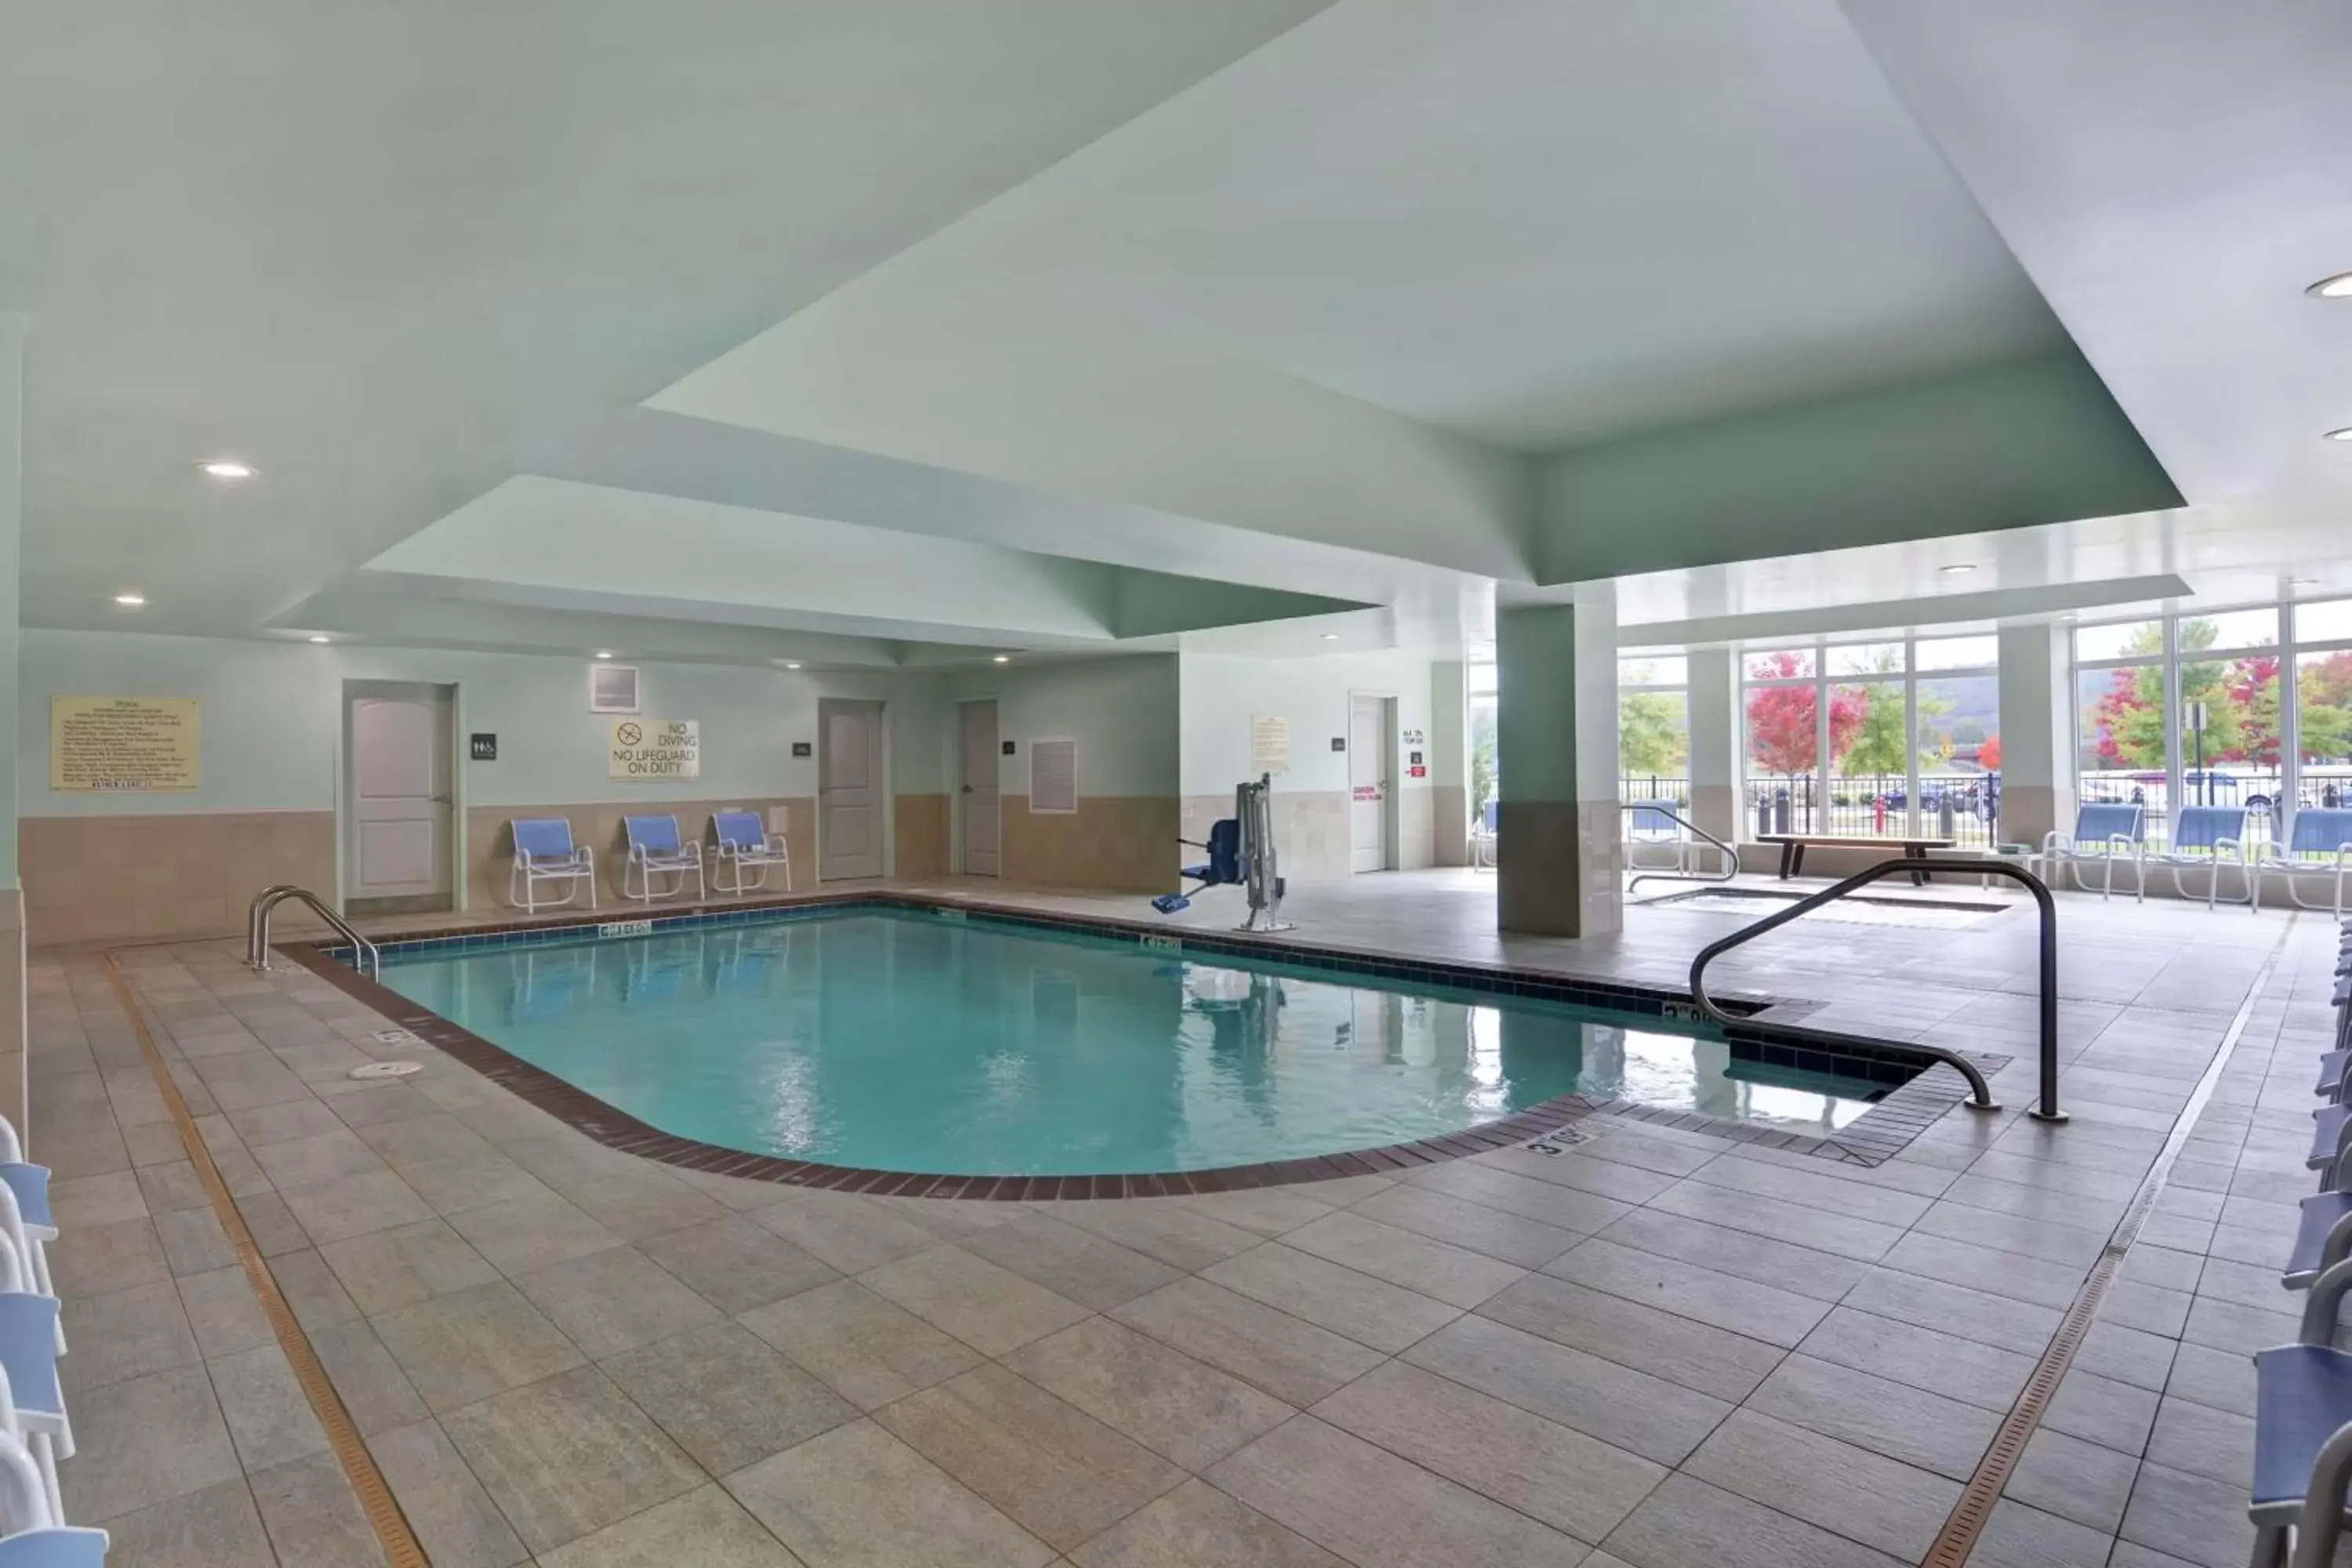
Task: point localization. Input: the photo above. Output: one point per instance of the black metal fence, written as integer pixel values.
(1963, 807)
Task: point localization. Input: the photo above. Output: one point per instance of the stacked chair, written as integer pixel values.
(34, 1433)
(2303, 1405)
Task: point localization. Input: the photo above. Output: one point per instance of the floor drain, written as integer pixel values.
(386, 1069)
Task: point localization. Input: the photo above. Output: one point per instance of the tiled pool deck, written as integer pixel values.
(1658, 1349)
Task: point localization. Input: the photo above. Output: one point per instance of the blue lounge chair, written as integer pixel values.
(1651, 825)
(30, 1533)
(746, 844)
(2220, 831)
(543, 852)
(32, 1401)
(2315, 830)
(2104, 835)
(656, 851)
(1222, 869)
(2302, 1433)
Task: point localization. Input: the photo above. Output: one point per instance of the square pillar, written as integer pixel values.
(13, 1092)
(1714, 708)
(2037, 732)
(1558, 831)
(1449, 760)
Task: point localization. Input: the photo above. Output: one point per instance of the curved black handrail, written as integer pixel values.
(1982, 1092)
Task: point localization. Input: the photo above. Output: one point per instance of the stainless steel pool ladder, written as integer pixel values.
(364, 956)
(1730, 852)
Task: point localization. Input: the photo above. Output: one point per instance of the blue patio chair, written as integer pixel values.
(1651, 825)
(543, 852)
(2104, 835)
(746, 844)
(2303, 1433)
(2220, 831)
(2315, 830)
(656, 851)
(25, 1212)
(31, 1535)
(32, 1401)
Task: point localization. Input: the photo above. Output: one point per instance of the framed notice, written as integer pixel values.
(1269, 743)
(1053, 776)
(650, 750)
(138, 744)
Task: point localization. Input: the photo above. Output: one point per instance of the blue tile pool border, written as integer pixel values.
(1915, 1098)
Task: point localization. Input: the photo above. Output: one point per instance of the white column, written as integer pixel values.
(13, 1091)
(1714, 707)
(1558, 832)
(1449, 760)
(2037, 732)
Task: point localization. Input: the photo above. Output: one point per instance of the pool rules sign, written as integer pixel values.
(644, 750)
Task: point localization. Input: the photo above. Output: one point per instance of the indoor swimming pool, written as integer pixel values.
(911, 1040)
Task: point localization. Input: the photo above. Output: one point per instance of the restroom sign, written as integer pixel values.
(644, 750)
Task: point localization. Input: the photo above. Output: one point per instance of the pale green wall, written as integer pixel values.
(12, 491)
(1122, 711)
(1221, 695)
(1556, 705)
(270, 724)
(2035, 442)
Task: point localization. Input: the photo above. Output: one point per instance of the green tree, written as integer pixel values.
(1879, 743)
(2324, 707)
(1653, 734)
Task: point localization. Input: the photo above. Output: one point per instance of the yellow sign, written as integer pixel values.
(1269, 743)
(122, 743)
(648, 749)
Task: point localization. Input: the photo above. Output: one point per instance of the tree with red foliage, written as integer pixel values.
(1781, 731)
(1989, 753)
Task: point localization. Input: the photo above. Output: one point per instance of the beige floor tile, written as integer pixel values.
(1686, 1524)
(1759, 1311)
(1783, 1265)
(612, 1300)
(1622, 1407)
(1438, 1270)
(1072, 1262)
(1379, 1511)
(1545, 1202)
(1173, 1405)
(1574, 1483)
(1055, 1470)
(725, 1396)
(1268, 1211)
(639, 1203)
(520, 1235)
(1989, 1319)
(1863, 1496)
(125, 1334)
(308, 1509)
(1528, 1242)
(374, 1391)
(354, 1205)
(1371, 1311)
(568, 1456)
(1906, 1423)
(1941, 1364)
(459, 1347)
(2191, 1517)
(2016, 1536)
(215, 1527)
(868, 1350)
(314, 1161)
(706, 1529)
(223, 1311)
(423, 1139)
(1581, 1172)
(1822, 1190)
(1289, 1358)
(456, 1522)
(1197, 1526)
(843, 1231)
(1170, 1229)
(143, 1442)
(2077, 1480)
(194, 1241)
(269, 1416)
(1779, 1219)
(1680, 1349)
(91, 1260)
(735, 1265)
(405, 1265)
(2101, 1410)
(310, 1288)
(858, 1497)
(454, 1187)
(989, 1309)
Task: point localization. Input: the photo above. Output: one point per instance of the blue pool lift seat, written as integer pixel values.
(2316, 831)
(656, 851)
(1222, 868)
(2212, 837)
(746, 844)
(543, 852)
(2107, 836)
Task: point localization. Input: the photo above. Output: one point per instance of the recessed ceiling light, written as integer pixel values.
(2343, 435)
(320, 637)
(1330, 636)
(228, 468)
(604, 653)
(2302, 581)
(1958, 569)
(1003, 659)
(2336, 288)
(792, 664)
(132, 601)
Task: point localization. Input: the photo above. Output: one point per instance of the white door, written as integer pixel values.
(850, 798)
(398, 793)
(1368, 784)
(982, 820)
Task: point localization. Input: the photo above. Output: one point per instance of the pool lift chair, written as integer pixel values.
(1241, 854)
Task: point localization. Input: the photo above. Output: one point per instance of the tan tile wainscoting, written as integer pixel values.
(1310, 828)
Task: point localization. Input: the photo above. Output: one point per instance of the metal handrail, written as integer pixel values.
(365, 958)
(1730, 852)
(1982, 1092)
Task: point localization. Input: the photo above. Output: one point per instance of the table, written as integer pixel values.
(1793, 847)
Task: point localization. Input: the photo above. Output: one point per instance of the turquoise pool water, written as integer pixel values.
(900, 1040)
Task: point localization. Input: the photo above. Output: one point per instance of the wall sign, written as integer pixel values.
(122, 743)
(483, 748)
(1269, 743)
(803, 749)
(1414, 759)
(1053, 776)
(1416, 771)
(648, 749)
(1339, 742)
(1008, 748)
(1416, 738)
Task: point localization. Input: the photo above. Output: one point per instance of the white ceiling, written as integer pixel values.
(908, 331)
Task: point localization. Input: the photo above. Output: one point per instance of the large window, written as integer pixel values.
(1885, 735)
(2246, 708)
(1481, 683)
(1653, 728)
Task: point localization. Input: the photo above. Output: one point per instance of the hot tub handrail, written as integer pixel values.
(1730, 851)
(365, 958)
(1980, 1092)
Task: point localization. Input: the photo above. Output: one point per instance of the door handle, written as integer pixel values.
(967, 789)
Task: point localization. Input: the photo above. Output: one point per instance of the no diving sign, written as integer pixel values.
(655, 749)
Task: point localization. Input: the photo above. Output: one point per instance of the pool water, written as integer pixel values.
(904, 1040)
